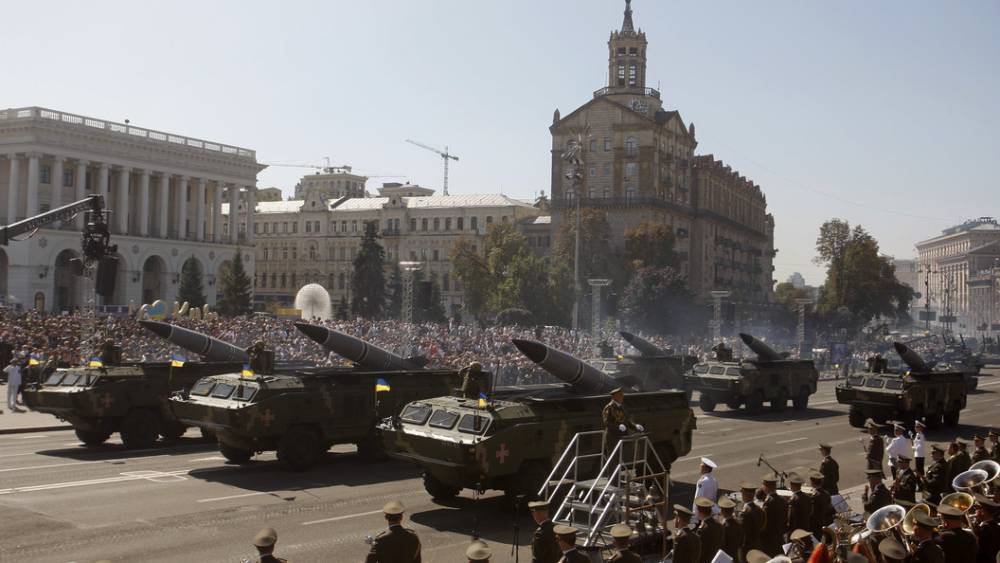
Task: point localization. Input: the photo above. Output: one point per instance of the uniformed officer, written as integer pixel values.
(876, 447)
(751, 519)
(905, 485)
(936, 482)
(479, 552)
(822, 505)
(617, 420)
(898, 446)
(775, 517)
(957, 543)
(801, 546)
(919, 447)
(927, 550)
(723, 353)
(264, 542)
(687, 546)
(732, 529)
(544, 548)
(995, 447)
(397, 544)
(707, 486)
(892, 551)
(960, 462)
(566, 536)
(879, 496)
(799, 506)
(980, 453)
(987, 529)
(830, 470)
(709, 530)
(473, 381)
(621, 535)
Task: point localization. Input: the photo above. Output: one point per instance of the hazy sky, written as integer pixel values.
(881, 113)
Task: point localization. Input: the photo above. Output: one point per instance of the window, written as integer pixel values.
(447, 223)
(593, 145)
(504, 219)
(202, 388)
(621, 75)
(256, 228)
(874, 383)
(474, 223)
(630, 146)
(315, 226)
(274, 280)
(293, 281)
(571, 195)
(263, 281)
(437, 224)
(295, 227)
(423, 224)
(607, 169)
(342, 253)
(395, 225)
(632, 75)
(223, 390)
(489, 220)
(284, 254)
(68, 178)
(333, 226)
(631, 169)
(295, 253)
(446, 282)
(341, 280)
(423, 254)
(593, 171)
(413, 225)
(460, 223)
(413, 256)
(354, 226)
(633, 51)
(45, 174)
(473, 424)
(284, 227)
(415, 413)
(308, 227)
(343, 226)
(607, 144)
(436, 255)
(443, 419)
(284, 281)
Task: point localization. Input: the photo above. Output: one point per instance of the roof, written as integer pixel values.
(264, 207)
(540, 220)
(374, 203)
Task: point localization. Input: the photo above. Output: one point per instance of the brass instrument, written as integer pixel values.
(909, 524)
(886, 522)
(971, 481)
(991, 468)
(962, 501)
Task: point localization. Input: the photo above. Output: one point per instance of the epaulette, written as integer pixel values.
(382, 533)
(411, 531)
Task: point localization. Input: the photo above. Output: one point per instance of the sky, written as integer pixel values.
(883, 114)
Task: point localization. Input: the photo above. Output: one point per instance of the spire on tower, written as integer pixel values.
(627, 26)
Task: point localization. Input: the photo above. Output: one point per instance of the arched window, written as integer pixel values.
(630, 147)
(284, 281)
(341, 281)
(263, 281)
(570, 195)
(630, 193)
(632, 76)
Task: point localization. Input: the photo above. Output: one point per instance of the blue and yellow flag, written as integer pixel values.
(247, 372)
(95, 362)
(482, 400)
(33, 360)
(381, 385)
(177, 361)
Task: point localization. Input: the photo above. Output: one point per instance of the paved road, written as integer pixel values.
(62, 502)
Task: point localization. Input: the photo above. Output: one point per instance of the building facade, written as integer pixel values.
(333, 182)
(639, 164)
(165, 192)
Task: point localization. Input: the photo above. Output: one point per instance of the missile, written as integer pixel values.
(211, 349)
(764, 352)
(366, 355)
(911, 358)
(645, 347)
(566, 367)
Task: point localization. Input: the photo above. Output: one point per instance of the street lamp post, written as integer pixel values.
(801, 333)
(408, 269)
(595, 291)
(717, 297)
(927, 295)
(572, 155)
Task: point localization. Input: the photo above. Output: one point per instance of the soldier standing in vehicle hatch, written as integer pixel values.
(617, 420)
(473, 381)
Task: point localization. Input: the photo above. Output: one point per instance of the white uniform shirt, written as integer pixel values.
(899, 445)
(919, 448)
(707, 487)
(13, 372)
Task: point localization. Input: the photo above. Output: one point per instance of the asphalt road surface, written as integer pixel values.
(62, 502)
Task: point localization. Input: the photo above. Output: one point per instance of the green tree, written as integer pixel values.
(427, 307)
(787, 294)
(394, 306)
(343, 311)
(191, 289)
(650, 245)
(235, 286)
(368, 277)
(596, 257)
(658, 300)
(469, 267)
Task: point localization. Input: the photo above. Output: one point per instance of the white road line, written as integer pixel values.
(213, 458)
(18, 455)
(71, 463)
(69, 484)
(31, 437)
(792, 440)
(345, 517)
(230, 497)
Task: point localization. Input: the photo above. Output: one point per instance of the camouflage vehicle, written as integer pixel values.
(960, 358)
(513, 443)
(653, 368)
(301, 414)
(130, 399)
(921, 392)
(772, 377)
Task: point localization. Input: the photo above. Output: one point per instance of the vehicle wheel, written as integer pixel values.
(801, 401)
(755, 402)
(706, 402)
(172, 430)
(370, 448)
(856, 416)
(208, 435)
(734, 402)
(300, 448)
(780, 402)
(139, 429)
(951, 417)
(437, 489)
(529, 479)
(92, 438)
(235, 455)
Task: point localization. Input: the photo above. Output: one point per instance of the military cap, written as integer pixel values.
(962, 445)
(726, 502)
(986, 501)
(393, 508)
(683, 510)
(265, 538)
(937, 448)
(904, 458)
(920, 423)
(769, 478)
(993, 434)
(825, 446)
(815, 475)
(899, 427)
(757, 556)
(479, 551)
(708, 462)
(781, 559)
(702, 502)
(564, 530)
(537, 505)
(949, 511)
(795, 479)
(621, 531)
(874, 473)
(616, 390)
(978, 437)
(747, 486)
(905, 503)
(892, 549)
(924, 520)
(799, 534)
(870, 424)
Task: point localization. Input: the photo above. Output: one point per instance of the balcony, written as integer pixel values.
(651, 92)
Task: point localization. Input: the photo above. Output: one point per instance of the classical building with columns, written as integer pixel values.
(165, 192)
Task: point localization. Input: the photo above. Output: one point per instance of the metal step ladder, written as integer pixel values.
(593, 491)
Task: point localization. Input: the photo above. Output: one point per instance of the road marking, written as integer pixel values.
(50, 465)
(31, 437)
(792, 440)
(119, 479)
(823, 403)
(213, 458)
(230, 497)
(345, 517)
(20, 454)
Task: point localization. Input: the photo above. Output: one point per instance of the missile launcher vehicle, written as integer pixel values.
(960, 358)
(653, 368)
(934, 393)
(301, 413)
(771, 377)
(512, 442)
(131, 398)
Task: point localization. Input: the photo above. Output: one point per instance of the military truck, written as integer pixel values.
(771, 377)
(920, 392)
(653, 368)
(513, 441)
(960, 358)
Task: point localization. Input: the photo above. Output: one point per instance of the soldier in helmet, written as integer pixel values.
(723, 353)
(109, 353)
(473, 381)
(397, 544)
(264, 542)
(256, 353)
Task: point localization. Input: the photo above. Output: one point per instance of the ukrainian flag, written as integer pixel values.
(482, 400)
(381, 385)
(33, 360)
(247, 372)
(95, 362)
(177, 361)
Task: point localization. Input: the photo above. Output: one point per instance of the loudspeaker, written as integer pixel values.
(107, 273)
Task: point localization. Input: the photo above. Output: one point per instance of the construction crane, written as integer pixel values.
(445, 155)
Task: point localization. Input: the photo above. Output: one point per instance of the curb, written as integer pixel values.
(31, 429)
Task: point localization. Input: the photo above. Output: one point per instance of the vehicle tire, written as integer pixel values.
(92, 438)
(706, 402)
(172, 430)
(208, 435)
(780, 402)
(951, 417)
(140, 429)
(734, 403)
(233, 454)
(438, 490)
(755, 402)
(370, 447)
(801, 401)
(300, 448)
(856, 416)
(529, 479)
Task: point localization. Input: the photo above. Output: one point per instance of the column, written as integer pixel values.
(56, 181)
(163, 208)
(103, 178)
(14, 188)
(81, 188)
(234, 201)
(33, 163)
(199, 228)
(182, 210)
(220, 189)
(121, 207)
(144, 203)
(251, 207)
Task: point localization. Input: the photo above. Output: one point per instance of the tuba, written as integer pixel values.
(971, 481)
(909, 524)
(885, 522)
(991, 468)
(962, 501)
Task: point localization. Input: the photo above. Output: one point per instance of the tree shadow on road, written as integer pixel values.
(771, 416)
(491, 517)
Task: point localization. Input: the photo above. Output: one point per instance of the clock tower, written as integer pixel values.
(627, 67)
